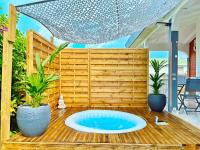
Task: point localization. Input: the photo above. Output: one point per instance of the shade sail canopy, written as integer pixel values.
(96, 21)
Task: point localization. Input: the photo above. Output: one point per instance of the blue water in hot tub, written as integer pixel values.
(106, 123)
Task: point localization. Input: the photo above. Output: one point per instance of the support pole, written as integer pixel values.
(8, 40)
(173, 71)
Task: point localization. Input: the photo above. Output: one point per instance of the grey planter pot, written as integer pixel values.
(157, 102)
(33, 121)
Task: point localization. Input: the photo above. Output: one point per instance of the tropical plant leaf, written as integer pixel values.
(57, 51)
(38, 83)
(45, 61)
(157, 77)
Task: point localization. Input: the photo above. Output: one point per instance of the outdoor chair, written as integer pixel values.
(192, 92)
(180, 87)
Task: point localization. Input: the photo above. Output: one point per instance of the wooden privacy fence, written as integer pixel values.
(104, 77)
(94, 77)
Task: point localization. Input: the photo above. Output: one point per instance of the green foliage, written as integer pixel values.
(13, 133)
(19, 65)
(157, 77)
(14, 105)
(38, 83)
(3, 20)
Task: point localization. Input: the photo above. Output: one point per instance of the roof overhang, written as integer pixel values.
(150, 30)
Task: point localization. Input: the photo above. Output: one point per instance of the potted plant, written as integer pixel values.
(157, 101)
(33, 118)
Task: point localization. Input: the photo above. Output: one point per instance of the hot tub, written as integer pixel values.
(105, 121)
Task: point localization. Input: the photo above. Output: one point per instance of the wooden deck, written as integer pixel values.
(177, 135)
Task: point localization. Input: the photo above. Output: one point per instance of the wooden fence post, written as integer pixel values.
(29, 53)
(8, 40)
(29, 56)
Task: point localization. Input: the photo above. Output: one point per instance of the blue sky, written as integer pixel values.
(26, 23)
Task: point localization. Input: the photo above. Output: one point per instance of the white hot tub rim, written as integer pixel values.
(71, 121)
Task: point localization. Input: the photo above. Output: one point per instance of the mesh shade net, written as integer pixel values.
(96, 21)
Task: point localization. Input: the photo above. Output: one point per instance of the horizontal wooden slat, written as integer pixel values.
(114, 95)
(112, 78)
(76, 99)
(111, 89)
(75, 78)
(74, 72)
(113, 61)
(65, 94)
(140, 56)
(74, 61)
(111, 67)
(118, 51)
(111, 84)
(112, 72)
(66, 56)
(72, 83)
(75, 89)
(66, 67)
(75, 50)
(120, 56)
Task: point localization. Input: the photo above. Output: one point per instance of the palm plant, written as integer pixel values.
(157, 77)
(38, 83)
